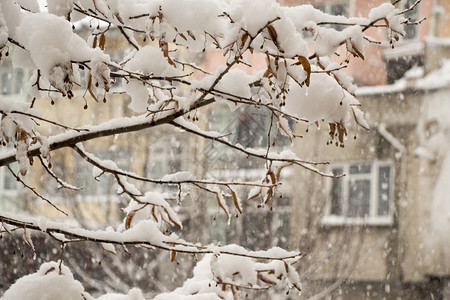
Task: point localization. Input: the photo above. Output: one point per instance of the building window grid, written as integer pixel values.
(351, 178)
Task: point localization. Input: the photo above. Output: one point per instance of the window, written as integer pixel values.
(364, 194)
(398, 66)
(11, 80)
(165, 157)
(6, 84)
(257, 228)
(412, 15)
(334, 9)
(8, 190)
(251, 129)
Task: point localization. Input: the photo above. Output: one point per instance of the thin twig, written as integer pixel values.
(34, 191)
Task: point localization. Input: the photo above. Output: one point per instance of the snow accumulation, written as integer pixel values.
(324, 99)
(47, 283)
(52, 42)
(54, 281)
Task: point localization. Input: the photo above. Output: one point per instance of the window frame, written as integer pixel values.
(373, 218)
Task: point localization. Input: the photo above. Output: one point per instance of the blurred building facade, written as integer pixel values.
(383, 230)
(377, 233)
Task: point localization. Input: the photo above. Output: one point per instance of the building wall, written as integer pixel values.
(372, 70)
(403, 255)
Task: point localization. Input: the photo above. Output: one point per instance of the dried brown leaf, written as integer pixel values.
(177, 225)
(49, 270)
(272, 33)
(182, 36)
(255, 195)
(235, 201)
(191, 34)
(107, 249)
(102, 42)
(220, 204)
(244, 38)
(307, 67)
(129, 219)
(269, 195)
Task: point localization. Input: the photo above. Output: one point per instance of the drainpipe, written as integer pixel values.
(396, 275)
(435, 14)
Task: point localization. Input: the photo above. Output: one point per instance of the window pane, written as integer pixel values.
(6, 84)
(19, 81)
(336, 194)
(321, 7)
(283, 230)
(257, 229)
(10, 181)
(283, 201)
(359, 198)
(384, 191)
(251, 129)
(339, 9)
(413, 16)
(360, 169)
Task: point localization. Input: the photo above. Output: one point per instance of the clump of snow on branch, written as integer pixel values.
(52, 281)
(214, 273)
(324, 99)
(52, 45)
(55, 281)
(17, 126)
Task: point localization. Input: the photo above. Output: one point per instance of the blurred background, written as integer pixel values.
(380, 232)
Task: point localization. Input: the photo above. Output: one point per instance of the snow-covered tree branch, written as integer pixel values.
(157, 71)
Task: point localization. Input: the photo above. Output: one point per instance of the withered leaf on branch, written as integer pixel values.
(269, 195)
(102, 41)
(191, 34)
(182, 36)
(108, 248)
(272, 33)
(353, 50)
(129, 219)
(281, 168)
(244, 38)
(221, 203)
(89, 88)
(283, 126)
(27, 239)
(235, 200)
(165, 49)
(177, 225)
(254, 193)
(307, 67)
